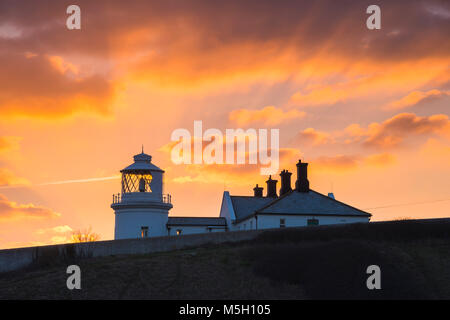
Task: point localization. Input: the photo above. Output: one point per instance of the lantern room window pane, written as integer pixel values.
(130, 181)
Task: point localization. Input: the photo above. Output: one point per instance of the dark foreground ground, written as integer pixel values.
(306, 263)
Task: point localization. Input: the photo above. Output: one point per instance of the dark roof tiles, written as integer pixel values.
(244, 205)
(311, 202)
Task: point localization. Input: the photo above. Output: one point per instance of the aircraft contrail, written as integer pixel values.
(62, 182)
(80, 180)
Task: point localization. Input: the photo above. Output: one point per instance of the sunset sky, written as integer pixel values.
(368, 109)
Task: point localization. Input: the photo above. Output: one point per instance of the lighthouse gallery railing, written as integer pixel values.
(165, 198)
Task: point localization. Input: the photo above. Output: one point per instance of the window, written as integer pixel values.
(251, 225)
(144, 232)
(179, 232)
(245, 226)
(313, 222)
(282, 223)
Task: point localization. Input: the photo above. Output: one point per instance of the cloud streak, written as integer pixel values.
(417, 97)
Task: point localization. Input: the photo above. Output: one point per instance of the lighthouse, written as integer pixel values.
(141, 209)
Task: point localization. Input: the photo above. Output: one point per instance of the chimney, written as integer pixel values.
(258, 191)
(302, 183)
(285, 182)
(271, 187)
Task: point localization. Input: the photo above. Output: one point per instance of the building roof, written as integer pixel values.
(244, 206)
(310, 203)
(293, 203)
(196, 221)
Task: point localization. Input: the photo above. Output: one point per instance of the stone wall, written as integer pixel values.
(13, 259)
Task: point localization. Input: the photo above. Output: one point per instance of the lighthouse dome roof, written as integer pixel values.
(142, 162)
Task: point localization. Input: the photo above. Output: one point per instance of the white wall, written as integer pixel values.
(273, 221)
(128, 223)
(249, 224)
(193, 230)
(226, 209)
(157, 183)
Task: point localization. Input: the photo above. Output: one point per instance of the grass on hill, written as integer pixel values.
(301, 263)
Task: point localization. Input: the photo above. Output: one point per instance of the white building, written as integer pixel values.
(142, 210)
(292, 208)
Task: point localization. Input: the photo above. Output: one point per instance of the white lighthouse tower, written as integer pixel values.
(141, 209)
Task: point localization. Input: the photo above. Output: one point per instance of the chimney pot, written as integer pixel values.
(258, 191)
(302, 183)
(272, 187)
(285, 182)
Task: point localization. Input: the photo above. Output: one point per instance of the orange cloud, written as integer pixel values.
(322, 96)
(57, 229)
(56, 235)
(395, 130)
(390, 133)
(7, 178)
(187, 45)
(313, 137)
(268, 116)
(40, 237)
(342, 163)
(380, 160)
(61, 65)
(362, 79)
(50, 87)
(11, 211)
(415, 98)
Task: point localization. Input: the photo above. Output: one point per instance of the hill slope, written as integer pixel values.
(301, 263)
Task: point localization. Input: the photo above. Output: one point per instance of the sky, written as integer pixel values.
(367, 109)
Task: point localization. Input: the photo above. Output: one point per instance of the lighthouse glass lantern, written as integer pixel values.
(141, 181)
(136, 181)
(138, 176)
